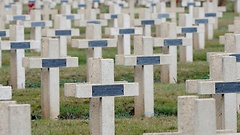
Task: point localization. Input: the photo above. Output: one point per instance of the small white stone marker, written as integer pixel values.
(174, 9)
(193, 114)
(146, 22)
(93, 42)
(50, 62)
(114, 11)
(200, 20)
(223, 88)
(17, 46)
(61, 32)
(15, 118)
(102, 91)
(47, 11)
(123, 32)
(90, 16)
(237, 6)
(143, 61)
(190, 4)
(186, 28)
(211, 12)
(168, 41)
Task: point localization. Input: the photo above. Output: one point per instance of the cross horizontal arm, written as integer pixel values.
(172, 42)
(163, 15)
(14, 45)
(74, 17)
(219, 14)
(97, 90)
(50, 63)
(134, 60)
(123, 31)
(89, 43)
(29, 24)
(215, 87)
(195, 4)
(140, 22)
(57, 33)
(5, 93)
(190, 29)
(17, 17)
(85, 22)
(203, 21)
(109, 16)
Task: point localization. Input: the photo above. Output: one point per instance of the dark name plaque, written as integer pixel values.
(172, 42)
(98, 43)
(189, 30)
(107, 90)
(51, 63)
(20, 45)
(148, 60)
(126, 31)
(227, 87)
(63, 32)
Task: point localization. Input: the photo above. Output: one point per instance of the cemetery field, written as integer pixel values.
(74, 113)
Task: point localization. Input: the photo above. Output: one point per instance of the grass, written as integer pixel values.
(74, 113)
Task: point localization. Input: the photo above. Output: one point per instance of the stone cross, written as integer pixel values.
(3, 34)
(174, 9)
(50, 62)
(190, 4)
(123, 32)
(223, 85)
(146, 22)
(101, 90)
(211, 12)
(93, 42)
(61, 32)
(12, 114)
(131, 10)
(143, 60)
(90, 16)
(36, 25)
(235, 27)
(79, 4)
(186, 28)
(168, 41)
(193, 114)
(114, 11)
(200, 20)
(17, 45)
(47, 11)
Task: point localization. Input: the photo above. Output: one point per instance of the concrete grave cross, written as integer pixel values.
(188, 30)
(61, 32)
(48, 11)
(101, 90)
(235, 27)
(211, 11)
(124, 31)
(199, 19)
(193, 114)
(17, 46)
(223, 86)
(50, 62)
(12, 114)
(168, 41)
(143, 60)
(146, 22)
(190, 4)
(36, 25)
(93, 42)
(90, 16)
(66, 12)
(174, 9)
(3, 34)
(79, 4)
(131, 10)
(114, 11)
